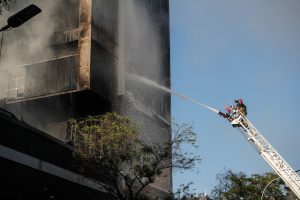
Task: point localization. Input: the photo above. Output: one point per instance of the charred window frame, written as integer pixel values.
(16, 84)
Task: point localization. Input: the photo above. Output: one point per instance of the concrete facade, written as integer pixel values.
(35, 165)
(78, 59)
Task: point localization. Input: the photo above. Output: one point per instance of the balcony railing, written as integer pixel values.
(40, 79)
(72, 130)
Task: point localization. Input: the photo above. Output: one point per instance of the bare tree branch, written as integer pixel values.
(111, 144)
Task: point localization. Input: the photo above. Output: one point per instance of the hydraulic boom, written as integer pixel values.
(265, 149)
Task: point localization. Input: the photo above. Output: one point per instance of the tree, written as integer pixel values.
(184, 193)
(231, 185)
(110, 145)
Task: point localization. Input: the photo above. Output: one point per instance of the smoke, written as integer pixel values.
(141, 40)
(23, 44)
(33, 42)
(142, 51)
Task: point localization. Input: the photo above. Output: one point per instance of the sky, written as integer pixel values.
(222, 50)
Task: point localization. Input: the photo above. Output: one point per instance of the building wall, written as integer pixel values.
(34, 165)
(144, 52)
(94, 45)
(40, 58)
(132, 38)
(104, 47)
(84, 47)
(89, 60)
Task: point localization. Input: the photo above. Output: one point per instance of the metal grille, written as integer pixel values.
(41, 79)
(72, 130)
(16, 84)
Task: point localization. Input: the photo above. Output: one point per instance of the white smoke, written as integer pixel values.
(23, 44)
(31, 43)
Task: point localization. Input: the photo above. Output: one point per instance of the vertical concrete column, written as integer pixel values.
(85, 26)
(120, 69)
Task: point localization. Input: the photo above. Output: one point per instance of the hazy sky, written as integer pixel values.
(227, 49)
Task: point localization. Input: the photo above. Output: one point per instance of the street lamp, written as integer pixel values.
(21, 17)
(18, 19)
(262, 195)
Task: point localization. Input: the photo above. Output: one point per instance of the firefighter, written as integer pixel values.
(228, 114)
(241, 106)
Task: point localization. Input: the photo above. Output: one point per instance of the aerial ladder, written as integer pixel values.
(257, 140)
(265, 149)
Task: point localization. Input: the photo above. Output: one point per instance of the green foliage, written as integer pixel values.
(187, 192)
(231, 185)
(110, 145)
(98, 138)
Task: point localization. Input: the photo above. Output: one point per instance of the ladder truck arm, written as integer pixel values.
(265, 149)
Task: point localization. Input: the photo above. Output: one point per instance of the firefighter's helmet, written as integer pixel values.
(239, 101)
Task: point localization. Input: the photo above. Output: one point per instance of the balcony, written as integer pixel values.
(53, 76)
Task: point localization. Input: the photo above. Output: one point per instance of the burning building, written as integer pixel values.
(76, 59)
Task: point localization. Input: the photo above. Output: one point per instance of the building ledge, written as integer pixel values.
(49, 168)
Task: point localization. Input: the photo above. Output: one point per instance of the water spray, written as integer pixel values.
(156, 85)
